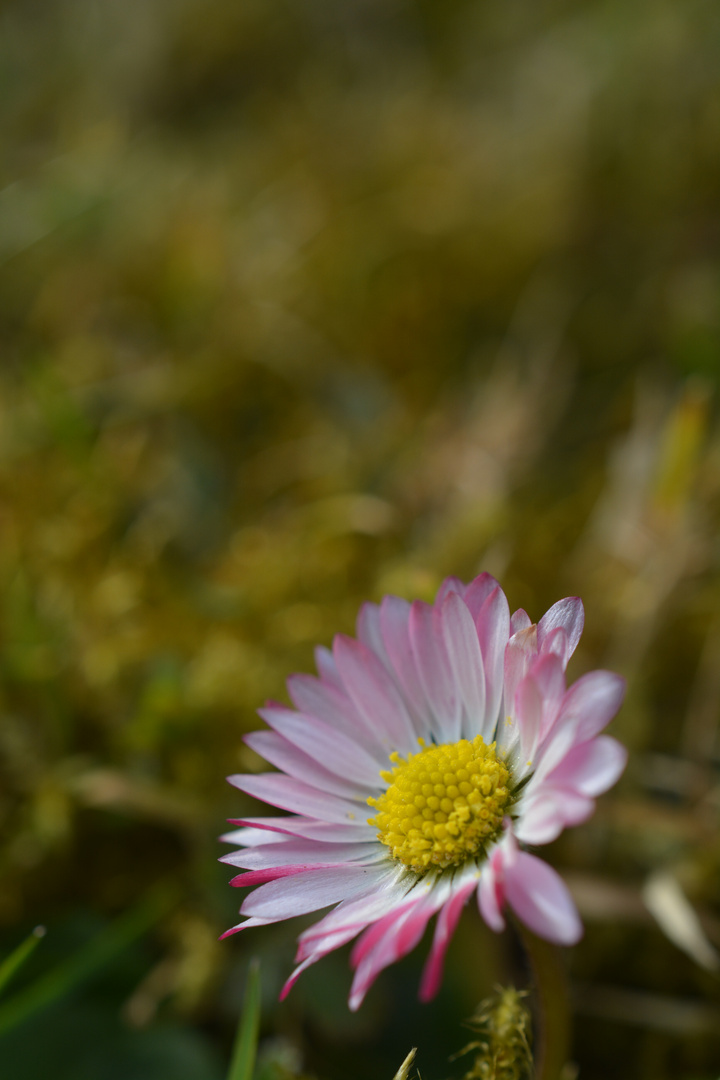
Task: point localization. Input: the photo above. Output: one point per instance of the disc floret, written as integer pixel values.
(443, 805)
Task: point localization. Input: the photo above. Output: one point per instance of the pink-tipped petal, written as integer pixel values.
(369, 632)
(291, 794)
(332, 705)
(463, 649)
(551, 811)
(357, 831)
(435, 673)
(493, 628)
(447, 920)
(491, 892)
(519, 620)
(309, 890)
(592, 767)
(289, 983)
(394, 622)
(274, 873)
(352, 916)
(450, 585)
(252, 836)
(478, 591)
(326, 667)
(296, 852)
(568, 613)
(374, 694)
(528, 714)
(333, 749)
(392, 939)
(248, 924)
(557, 642)
(548, 671)
(281, 753)
(541, 899)
(520, 652)
(592, 702)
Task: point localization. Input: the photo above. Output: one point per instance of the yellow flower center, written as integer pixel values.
(442, 805)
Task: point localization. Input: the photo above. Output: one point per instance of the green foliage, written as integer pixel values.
(12, 963)
(245, 1049)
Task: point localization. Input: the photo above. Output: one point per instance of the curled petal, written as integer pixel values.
(568, 613)
(592, 767)
(592, 702)
(539, 896)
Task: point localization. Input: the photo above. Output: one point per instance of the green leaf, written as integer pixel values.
(64, 978)
(18, 956)
(245, 1048)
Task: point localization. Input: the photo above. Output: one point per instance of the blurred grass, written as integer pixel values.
(300, 304)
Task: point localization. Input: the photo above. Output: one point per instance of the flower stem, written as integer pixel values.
(553, 1005)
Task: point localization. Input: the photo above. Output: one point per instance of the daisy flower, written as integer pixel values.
(417, 767)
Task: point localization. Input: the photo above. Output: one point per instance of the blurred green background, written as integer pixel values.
(303, 302)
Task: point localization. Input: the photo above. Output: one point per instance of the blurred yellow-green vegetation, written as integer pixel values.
(303, 302)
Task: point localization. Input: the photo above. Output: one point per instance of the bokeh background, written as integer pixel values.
(303, 302)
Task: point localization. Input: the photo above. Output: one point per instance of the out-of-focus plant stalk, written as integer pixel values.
(246, 1040)
(18, 956)
(552, 1042)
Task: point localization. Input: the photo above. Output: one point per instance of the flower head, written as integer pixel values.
(416, 767)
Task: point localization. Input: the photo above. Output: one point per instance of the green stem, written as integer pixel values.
(553, 1005)
(245, 1048)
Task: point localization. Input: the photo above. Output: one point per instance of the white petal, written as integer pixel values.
(374, 694)
(478, 591)
(394, 936)
(293, 762)
(334, 750)
(290, 794)
(519, 620)
(369, 632)
(308, 891)
(449, 585)
(394, 621)
(326, 666)
(332, 705)
(463, 648)
(568, 613)
(592, 701)
(433, 666)
(540, 897)
(493, 627)
(297, 852)
(282, 826)
(592, 767)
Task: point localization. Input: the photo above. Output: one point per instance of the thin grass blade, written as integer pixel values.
(246, 1040)
(64, 978)
(18, 956)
